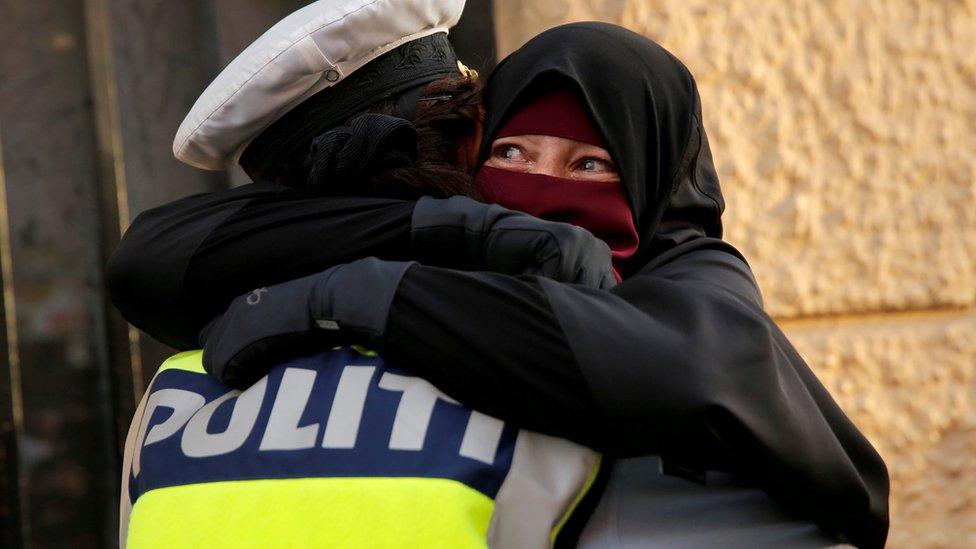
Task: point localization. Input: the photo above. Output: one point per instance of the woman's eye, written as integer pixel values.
(510, 152)
(595, 165)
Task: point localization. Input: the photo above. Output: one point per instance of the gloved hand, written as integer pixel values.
(344, 305)
(349, 304)
(461, 233)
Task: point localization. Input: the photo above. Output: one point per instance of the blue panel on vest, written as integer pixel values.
(164, 463)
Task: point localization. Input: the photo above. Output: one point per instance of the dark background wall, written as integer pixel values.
(91, 94)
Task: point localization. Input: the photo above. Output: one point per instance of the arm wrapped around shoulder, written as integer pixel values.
(345, 305)
(461, 233)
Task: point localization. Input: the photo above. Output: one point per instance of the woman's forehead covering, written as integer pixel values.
(635, 91)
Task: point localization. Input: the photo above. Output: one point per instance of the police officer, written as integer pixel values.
(339, 448)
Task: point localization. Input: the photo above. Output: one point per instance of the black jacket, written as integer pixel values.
(678, 360)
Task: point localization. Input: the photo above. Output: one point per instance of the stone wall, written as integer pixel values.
(845, 136)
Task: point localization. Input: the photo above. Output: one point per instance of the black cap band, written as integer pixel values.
(408, 67)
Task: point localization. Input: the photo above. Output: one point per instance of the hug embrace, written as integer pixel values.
(460, 311)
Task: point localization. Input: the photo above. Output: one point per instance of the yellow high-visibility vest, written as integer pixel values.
(338, 449)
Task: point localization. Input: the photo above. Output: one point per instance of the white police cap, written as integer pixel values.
(312, 49)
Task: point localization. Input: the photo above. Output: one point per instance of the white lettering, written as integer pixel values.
(482, 434)
(184, 405)
(197, 442)
(347, 408)
(283, 432)
(481, 437)
(413, 413)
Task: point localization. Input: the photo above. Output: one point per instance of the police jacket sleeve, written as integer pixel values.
(679, 360)
(180, 264)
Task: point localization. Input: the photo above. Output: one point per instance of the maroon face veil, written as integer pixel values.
(600, 207)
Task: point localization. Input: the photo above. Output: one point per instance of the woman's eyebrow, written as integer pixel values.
(593, 151)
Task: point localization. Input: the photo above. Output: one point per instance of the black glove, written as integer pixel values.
(345, 305)
(464, 234)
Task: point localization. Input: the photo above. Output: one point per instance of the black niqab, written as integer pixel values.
(650, 118)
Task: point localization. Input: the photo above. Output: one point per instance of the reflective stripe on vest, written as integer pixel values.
(338, 449)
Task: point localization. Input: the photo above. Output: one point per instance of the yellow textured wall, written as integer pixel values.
(845, 136)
